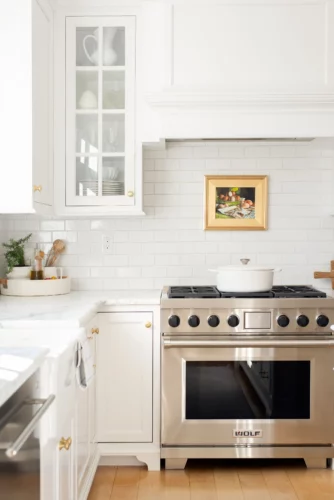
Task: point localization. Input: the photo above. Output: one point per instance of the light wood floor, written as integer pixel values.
(216, 480)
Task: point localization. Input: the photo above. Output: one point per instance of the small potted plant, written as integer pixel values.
(14, 255)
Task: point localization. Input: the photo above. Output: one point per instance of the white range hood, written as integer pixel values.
(221, 69)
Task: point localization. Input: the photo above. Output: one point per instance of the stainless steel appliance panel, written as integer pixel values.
(316, 429)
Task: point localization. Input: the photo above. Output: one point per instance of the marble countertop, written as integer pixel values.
(17, 364)
(70, 311)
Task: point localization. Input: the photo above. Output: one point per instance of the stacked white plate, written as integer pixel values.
(109, 188)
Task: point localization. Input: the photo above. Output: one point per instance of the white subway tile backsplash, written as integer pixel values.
(205, 152)
(257, 152)
(52, 225)
(70, 236)
(78, 225)
(169, 245)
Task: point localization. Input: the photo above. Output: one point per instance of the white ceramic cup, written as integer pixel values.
(19, 273)
(50, 272)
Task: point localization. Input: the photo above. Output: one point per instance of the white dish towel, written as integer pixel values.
(84, 368)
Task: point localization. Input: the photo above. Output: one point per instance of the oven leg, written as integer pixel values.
(175, 463)
(316, 463)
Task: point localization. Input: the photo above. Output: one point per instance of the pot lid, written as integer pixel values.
(244, 266)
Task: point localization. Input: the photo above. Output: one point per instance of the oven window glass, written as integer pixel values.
(247, 390)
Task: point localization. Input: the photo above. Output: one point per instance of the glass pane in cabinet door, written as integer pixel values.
(87, 134)
(113, 90)
(87, 46)
(113, 134)
(113, 46)
(87, 89)
(113, 176)
(87, 176)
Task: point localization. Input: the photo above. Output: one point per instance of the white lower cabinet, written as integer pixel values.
(82, 433)
(65, 460)
(124, 377)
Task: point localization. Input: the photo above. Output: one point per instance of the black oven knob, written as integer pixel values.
(302, 320)
(213, 321)
(233, 320)
(193, 321)
(283, 320)
(173, 321)
(322, 320)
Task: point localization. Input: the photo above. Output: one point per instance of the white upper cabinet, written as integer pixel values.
(100, 155)
(26, 106)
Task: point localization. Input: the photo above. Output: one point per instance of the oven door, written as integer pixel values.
(249, 391)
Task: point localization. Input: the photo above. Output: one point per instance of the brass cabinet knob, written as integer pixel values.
(95, 330)
(65, 443)
(131, 194)
(37, 188)
(148, 324)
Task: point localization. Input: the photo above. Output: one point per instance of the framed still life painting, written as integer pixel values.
(236, 202)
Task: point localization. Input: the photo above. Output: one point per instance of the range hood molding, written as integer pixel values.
(214, 115)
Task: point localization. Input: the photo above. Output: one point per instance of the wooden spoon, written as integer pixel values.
(58, 247)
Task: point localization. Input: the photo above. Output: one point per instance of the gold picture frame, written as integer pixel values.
(236, 202)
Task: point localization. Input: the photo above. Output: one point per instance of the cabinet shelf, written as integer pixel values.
(104, 155)
(104, 111)
(103, 68)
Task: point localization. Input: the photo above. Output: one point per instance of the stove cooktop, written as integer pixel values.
(211, 292)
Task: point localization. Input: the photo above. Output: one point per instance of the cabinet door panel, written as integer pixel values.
(124, 378)
(66, 476)
(42, 109)
(82, 432)
(100, 88)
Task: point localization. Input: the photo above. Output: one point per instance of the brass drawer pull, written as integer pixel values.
(148, 324)
(95, 330)
(37, 188)
(65, 443)
(131, 194)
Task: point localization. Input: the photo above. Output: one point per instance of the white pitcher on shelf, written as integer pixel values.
(109, 54)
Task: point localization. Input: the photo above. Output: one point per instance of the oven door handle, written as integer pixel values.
(247, 343)
(15, 447)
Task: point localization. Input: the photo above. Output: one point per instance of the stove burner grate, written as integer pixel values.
(211, 292)
(193, 292)
(296, 291)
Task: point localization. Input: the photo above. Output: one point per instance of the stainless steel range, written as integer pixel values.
(247, 375)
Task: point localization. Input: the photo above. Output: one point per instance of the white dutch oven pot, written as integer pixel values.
(245, 278)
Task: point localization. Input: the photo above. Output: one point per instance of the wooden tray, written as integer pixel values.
(29, 288)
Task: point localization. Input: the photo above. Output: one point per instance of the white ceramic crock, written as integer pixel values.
(19, 273)
(245, 278)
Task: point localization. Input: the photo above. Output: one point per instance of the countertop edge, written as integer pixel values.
(14, 385)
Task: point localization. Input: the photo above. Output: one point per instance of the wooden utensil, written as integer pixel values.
(322, 275)
(58, 248)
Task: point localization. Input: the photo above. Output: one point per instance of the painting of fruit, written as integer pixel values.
(235, 203)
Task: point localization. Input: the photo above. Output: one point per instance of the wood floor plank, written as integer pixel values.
(151, 486)
(202, 484)
(177, 485)
(305, 485)
(126, 483)
(103, 483)
(279, 485)
(253, 486)
(215, 481)
(228, 486)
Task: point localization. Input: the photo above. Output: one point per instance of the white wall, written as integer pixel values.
(169, 246)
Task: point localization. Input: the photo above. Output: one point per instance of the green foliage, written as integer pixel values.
(14, 254)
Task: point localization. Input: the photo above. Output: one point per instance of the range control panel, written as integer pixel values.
(218, 321)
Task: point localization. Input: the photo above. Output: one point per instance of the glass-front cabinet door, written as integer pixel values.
(100, 87)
